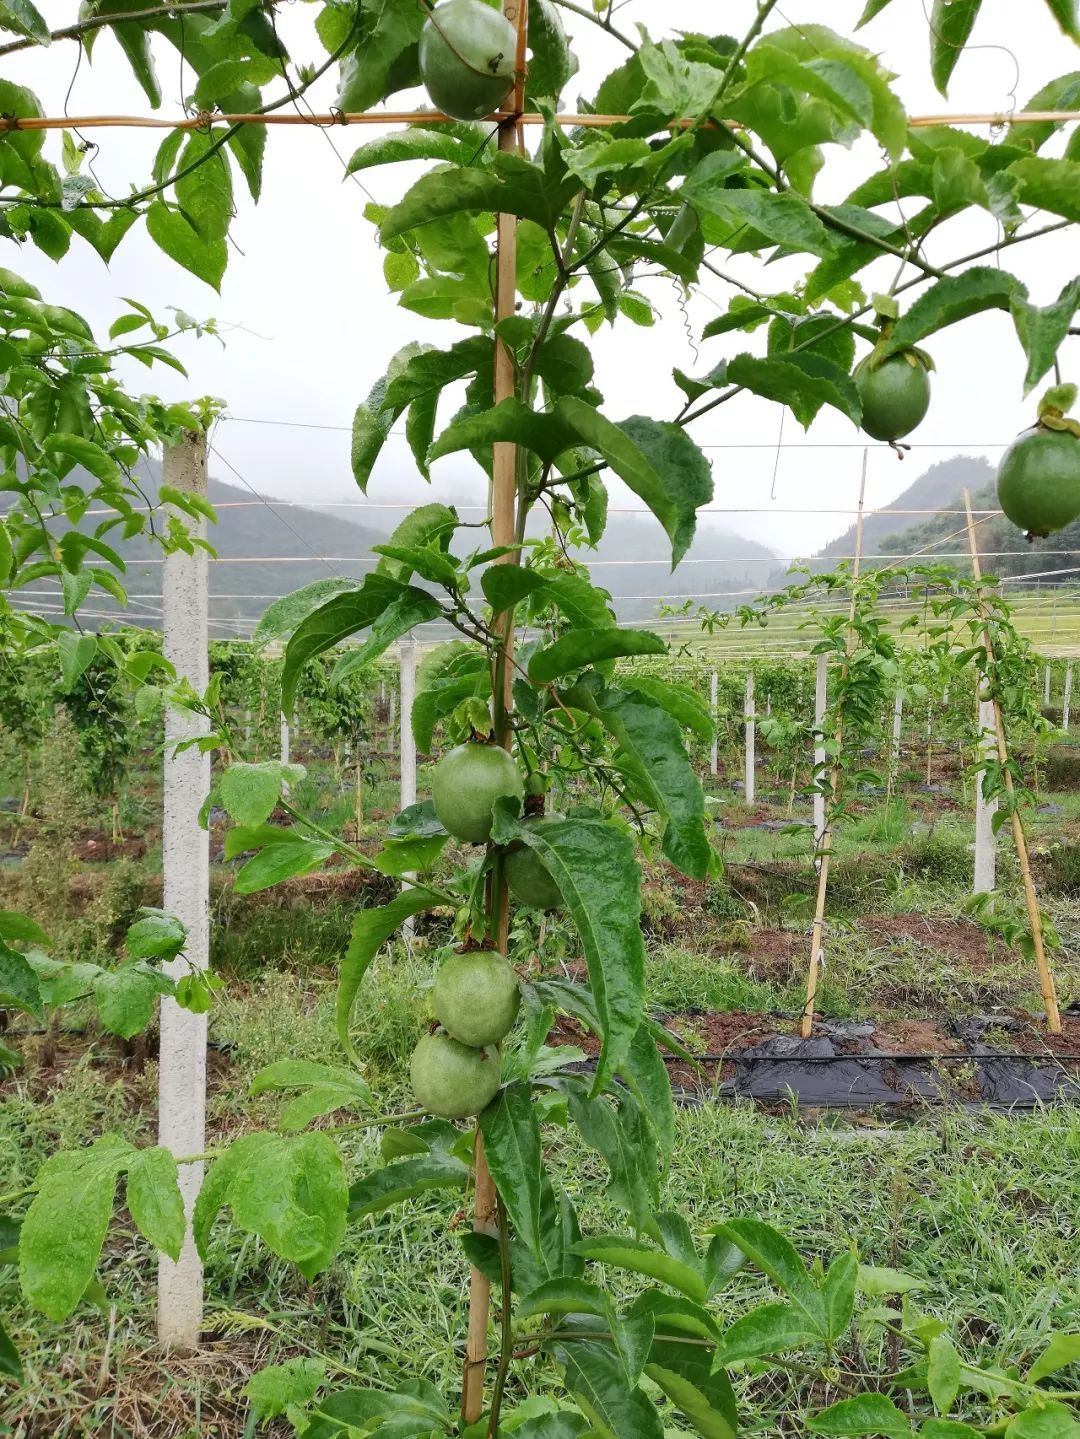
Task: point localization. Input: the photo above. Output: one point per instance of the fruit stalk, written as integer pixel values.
(503, 517)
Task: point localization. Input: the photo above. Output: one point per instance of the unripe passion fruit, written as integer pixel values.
(895, 394)
(451, 1080)
(1038, 481)
(476, 997)
(528, 880)
(466, 785)
(467, 53)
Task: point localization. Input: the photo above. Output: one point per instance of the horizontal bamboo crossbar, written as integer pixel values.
(435, 117)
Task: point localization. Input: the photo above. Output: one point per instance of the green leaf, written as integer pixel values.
(552, 63)
(654, 742)
(80, 451)
(1049, 185)
(278, 1387)
(875, 1281)
(22, 929)
(337, 619)
(641, 1258)
(873, 7)
(370, 71)
(1066, 14)
(580, 604)
(1048, 1421)
(10, 1363)
(19, 986)
(125, 997)
(778, 1257)
(597, 1380)
(280, 620)
(867, 1414)
(1042, 331)
(594, 865)
(326, 1088)
(412, 607)
(951, 23)
(76, 651)
(154, 1201)
(804, 382)
(406, 1180)
(414, 144)
(290, 1190)
(770, 1329)
(426, 526)
(784, 219)
(178, 238)
(278, 862)
(65, 1225)
(371, 928)
(942, 1372)
(514, 186)
(1062, 1349)
(250, 792)
(512, 1148)
(372, 423)
(954, 298)
(25, 20)
(429, 371)
(509, 422)
(838, 1293)
(681, 701)
(410, 855)
(155, 935)
(579, 648)
(506, 585)
(705, 1398)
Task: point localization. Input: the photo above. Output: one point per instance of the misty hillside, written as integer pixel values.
(269, 549)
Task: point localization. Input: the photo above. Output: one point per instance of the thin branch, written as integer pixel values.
(131, 17)
(603, 22)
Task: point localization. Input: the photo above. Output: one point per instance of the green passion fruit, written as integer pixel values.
(895, 394)
(451, 1079)
(467, 53)
(476, 997)
(1038, 482)
(466, 785)
(529, 881)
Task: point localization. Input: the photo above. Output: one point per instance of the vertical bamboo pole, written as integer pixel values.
(504, 464)
(821, 682)
(1046, 978)
(817, 955)
(750, 738)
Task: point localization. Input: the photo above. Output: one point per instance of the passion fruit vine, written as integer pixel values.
(1038, 482)
(451, 1079)
(476, 997)
(467, 782)
(467, 53)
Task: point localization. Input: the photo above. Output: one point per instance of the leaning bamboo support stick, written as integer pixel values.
(825, 846)
(1046, 978)
(503, 528)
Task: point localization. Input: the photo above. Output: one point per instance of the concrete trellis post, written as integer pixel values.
(751, 735)
(1046, 686)
(407, 662)
(186, 864)
(821, 681)
(714, 755)
(894, 746)
(985, 838)
(1067, 698)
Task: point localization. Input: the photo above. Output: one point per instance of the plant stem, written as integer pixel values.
(131, 17)
(602, 22)
(506, 1324)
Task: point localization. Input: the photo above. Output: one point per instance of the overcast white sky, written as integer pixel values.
(314, 326)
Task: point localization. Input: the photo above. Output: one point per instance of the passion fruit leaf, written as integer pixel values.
(639, 1257)
(873, 7)
(25, 19)
(409, 854)
(803, 382)
(580, 603)
(250, 792)
(1062, 1349)
(279, 862)
(418, 144)
(10, 1363)
(424, 526)
(1065, 13)
(372, 422)
(507, 585)
(686, 1376)
(851, 256)
(431, 370)
(596, 870)
(1052, 185)
(341, 616)
(125, 997)
(511, 422)
(867, 1413)
(280, 620)
(374, 68)
(155, 935)
(371, 928)
(597, 1379)
(552, 64)
(433, 565)
(680, 701)
(154, 1200)
(654, 741)
(769, 1329)
(578, 648)
(951, 22)
(513, 186)
(513, 1150)
(22, 929)
(19, 985)
(290, 1190)
(1042, 331)
(406, 1179)
(954, 298)
(413, 607)
(784, 219)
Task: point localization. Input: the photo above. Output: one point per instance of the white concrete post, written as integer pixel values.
(897, 728)
(714, 755)
(185, 851)
(985, 838)
(284, 739)
(751, 730)
(821, 679)
(247, 727)
(1046, 687)
(407, 662)
(1067, 700)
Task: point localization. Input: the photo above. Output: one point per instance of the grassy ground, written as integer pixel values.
(982, 1208)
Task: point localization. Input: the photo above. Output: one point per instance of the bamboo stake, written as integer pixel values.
(825, 847)
(436, 117)
(504, 463)
(1046, 978)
